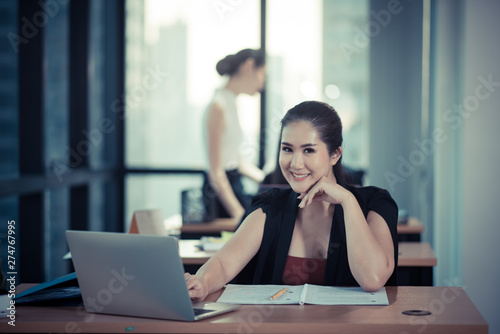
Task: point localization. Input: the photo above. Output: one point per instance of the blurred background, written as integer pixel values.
(101, 104)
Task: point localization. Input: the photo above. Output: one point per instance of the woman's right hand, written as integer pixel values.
(196, 289)
(238, 213)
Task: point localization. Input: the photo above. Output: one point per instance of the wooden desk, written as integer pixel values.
(414, 226)
(410, 231)
(191, 254)
(416, 254)
(213, 228)
(416, 264)
(452, 312)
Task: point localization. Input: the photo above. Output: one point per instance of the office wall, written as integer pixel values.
(396, 162)
(481, 157)
(446, 92)
(461, 168)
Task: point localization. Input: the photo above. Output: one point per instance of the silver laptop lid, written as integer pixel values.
(130, 274)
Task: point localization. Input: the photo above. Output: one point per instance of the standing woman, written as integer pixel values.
(223, 133)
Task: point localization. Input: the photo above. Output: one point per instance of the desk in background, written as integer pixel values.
(407, 232)
(452, 312)
(410, 231)
(415, 263)
(213, 228)
(192, 254)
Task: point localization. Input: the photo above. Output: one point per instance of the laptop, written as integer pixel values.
(135, 275)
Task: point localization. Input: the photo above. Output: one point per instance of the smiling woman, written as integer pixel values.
(306, 160)
(318, 140)
(337, 235)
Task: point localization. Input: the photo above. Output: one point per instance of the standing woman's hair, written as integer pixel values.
(230, 64)
(326, 122)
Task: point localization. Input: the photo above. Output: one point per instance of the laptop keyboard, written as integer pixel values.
(200, 311)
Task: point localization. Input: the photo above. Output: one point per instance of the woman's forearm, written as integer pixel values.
(212, 275)
(233, 256)
(368, 260)
(251, 171)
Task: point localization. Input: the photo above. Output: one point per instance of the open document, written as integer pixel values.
(301, 294)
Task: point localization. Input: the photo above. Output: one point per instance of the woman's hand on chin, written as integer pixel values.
(326, 190)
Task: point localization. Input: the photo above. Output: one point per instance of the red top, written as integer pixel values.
(302, 270)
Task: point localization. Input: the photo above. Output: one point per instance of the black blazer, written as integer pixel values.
(280, 207)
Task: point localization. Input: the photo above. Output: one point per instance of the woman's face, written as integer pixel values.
(303, 157)
(255, 80)
(254, 77)
(260, 78)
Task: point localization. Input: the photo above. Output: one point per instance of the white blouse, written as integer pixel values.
(232, 136)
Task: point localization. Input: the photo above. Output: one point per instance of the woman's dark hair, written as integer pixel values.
(326, 122)
(230, 64)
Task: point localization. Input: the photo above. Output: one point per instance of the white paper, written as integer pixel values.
(260, 294)
(313, 294)
(211, 244)
(330, 295)
(303, 295)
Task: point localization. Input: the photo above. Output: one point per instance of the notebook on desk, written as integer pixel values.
(135, 275)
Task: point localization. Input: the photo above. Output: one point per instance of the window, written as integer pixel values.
(62, 67)
(9, 121)
(172, 49)
(306, 61)
(9, 144)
